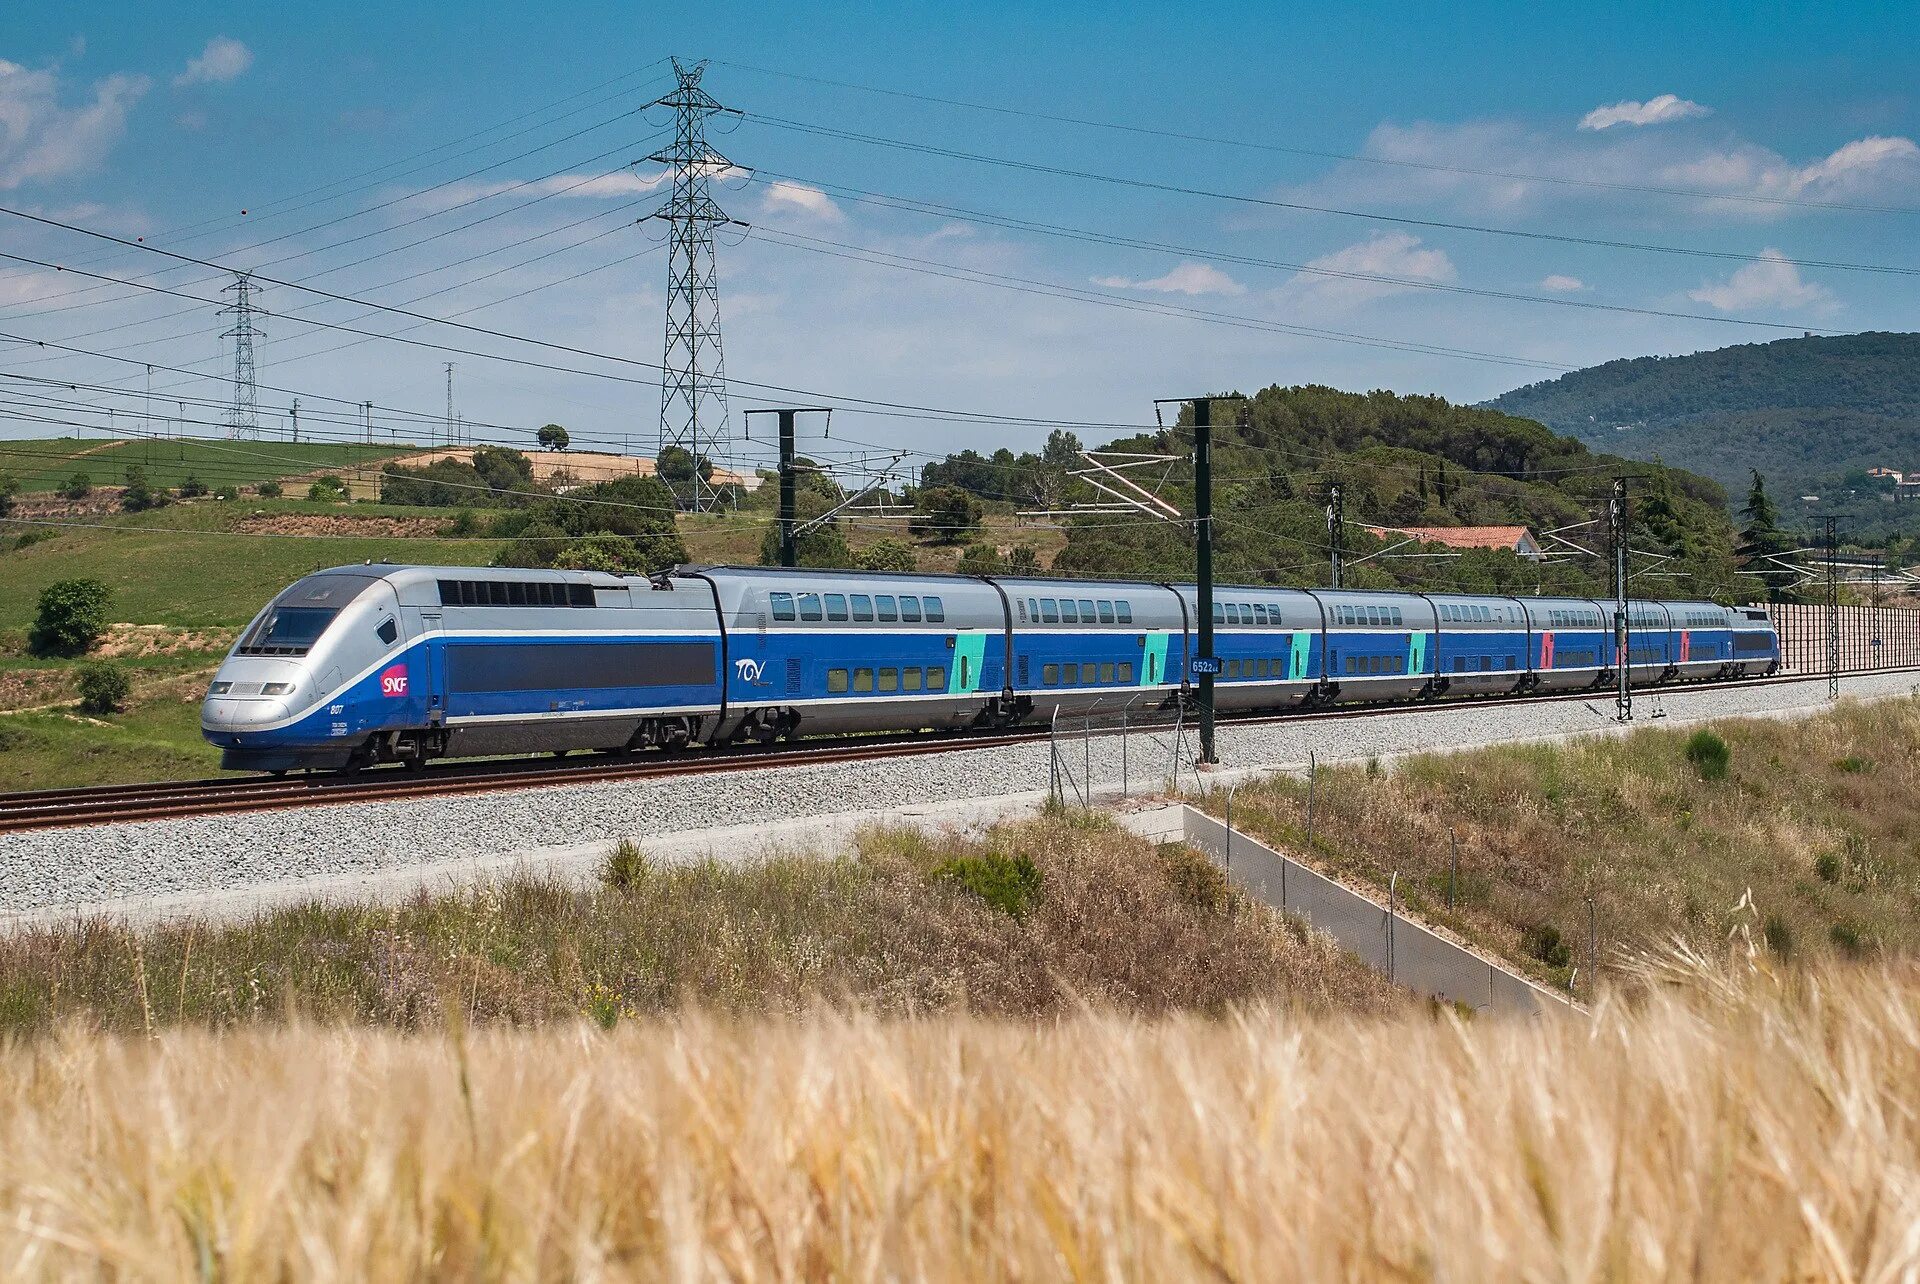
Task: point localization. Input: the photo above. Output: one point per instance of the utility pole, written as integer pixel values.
(1832, 542)
(789, 519)
(296, 421)
(244, 418)
(693, 382)
(149, 408)
(1622, 617)
(366, 412)
(1336, 530)
(1203, 566)
(450, 403)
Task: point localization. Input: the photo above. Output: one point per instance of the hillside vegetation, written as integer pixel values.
(1810, 414)
(1405, 461)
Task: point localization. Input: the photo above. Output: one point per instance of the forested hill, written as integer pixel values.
(1406, 461)
(1810, 414)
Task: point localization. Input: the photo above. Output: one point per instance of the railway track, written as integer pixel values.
(111, 804)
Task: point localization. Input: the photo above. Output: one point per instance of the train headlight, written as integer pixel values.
(220, 688)
(275, 688)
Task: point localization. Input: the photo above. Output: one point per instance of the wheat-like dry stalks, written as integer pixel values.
(1713, 1128)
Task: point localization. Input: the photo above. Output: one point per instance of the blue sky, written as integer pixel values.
(147, 120)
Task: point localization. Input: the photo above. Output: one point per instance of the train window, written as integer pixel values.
(1050, 675)
(837, 606)
(889, 679)
(516, 593)
(1106, 611)
(1459, 664)
(936, 678)
(1126, 672)
(809, 606)
(1049, 611)
(782, 604)
(936, 611)
(909, 609)
(883, 606)
(862, 607)
(1123, 611)
(1396, 616)
(1233, 669)
(1069, 613)
(836, 681)
(1070, 675)
(1086, 610)
(1033, 610)
(1106, 675)
(387, 632)
(910, 679)
(1219, 613)
(863, 680)
(580, 595)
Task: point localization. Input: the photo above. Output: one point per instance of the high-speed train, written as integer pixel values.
(378, 663)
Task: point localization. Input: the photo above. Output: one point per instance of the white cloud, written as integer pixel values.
(782, 195)
(1773, 283)
(1343, 278)
(1654, 111)
(42, 139)
(1861, 167)
(1562, 284)
(567, 186)
(222, 60)
(1188, 278)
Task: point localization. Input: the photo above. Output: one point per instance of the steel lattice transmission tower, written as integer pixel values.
(243, 421)
(693, 380)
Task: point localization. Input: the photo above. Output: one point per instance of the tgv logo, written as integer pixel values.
(748, 671)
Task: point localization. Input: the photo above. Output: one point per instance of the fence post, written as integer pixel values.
(1393, 894)
(1593, 951)
(1229, 862)
(1053, 757)
(1125, 784)
(1313, 781)
(1453, 867)
(1086, 761)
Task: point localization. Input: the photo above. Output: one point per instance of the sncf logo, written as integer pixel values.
(393, 682)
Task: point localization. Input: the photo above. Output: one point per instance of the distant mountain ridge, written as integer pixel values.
(1811, 414)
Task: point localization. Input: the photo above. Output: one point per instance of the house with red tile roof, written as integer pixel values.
(1515, 539)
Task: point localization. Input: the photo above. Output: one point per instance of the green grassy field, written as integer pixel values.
(45, 465)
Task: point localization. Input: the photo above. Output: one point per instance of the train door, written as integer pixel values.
(969, 653)
(1153, 659)
(1300, 668)
(433, 661)
(1417, 652)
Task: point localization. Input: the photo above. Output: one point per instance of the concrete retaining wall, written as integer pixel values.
(1410, 955)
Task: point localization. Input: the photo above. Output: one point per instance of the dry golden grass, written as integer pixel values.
(1712, 1129)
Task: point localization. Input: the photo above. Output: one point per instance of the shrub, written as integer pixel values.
(191, 487)
(78, 486)
(39, 535)
(1709, 754)
(268, 489)
(463, 525)
(104, 687)
(1023, 560)
(1778, 936)
(945, 515)
(609, 553)
(1011, 884)
(70, 615)
(138, 497)
(1545, 943)
(9, 487)
(1196, 879)
(626, 867)
(980, 559)
(1848, 939)
(328, 490)
(1827, 867)
(227, 492)
(886, 555)
(1853, 765)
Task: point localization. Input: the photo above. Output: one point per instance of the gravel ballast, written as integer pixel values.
(109, 863)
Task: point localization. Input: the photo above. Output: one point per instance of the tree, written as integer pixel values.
(553, 437)
(824, 545)
(610, 553)
(191, 487)
(981, 559)
(69, 617)
(78, 486)
(9, 487)
(104, 687)
(946, 515)
(137, 496)
(536, 545)
(328, 490)
(887, 555)
(1023, 560)
(1761, 540)
(268, 489)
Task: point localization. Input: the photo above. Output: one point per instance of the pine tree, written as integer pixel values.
(1762, 539)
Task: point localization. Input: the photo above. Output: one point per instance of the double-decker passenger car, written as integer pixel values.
(405, 663)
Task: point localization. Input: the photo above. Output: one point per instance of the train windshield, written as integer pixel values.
(300, 615)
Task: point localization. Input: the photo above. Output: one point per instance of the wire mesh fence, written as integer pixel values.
(1870, 637)
(1123, 748)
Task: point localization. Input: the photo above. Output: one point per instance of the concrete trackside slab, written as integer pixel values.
(1408, 953)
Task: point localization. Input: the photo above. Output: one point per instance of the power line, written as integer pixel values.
(1316, 153)
(1118, 180)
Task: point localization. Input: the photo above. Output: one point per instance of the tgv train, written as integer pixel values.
(363, 664)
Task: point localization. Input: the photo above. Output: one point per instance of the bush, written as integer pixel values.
(980, 559)
(946, 515)
(1853, 765)
(1848, 939)
(227, 492)
(609, 553)
(71, 615)
(887, 555)
(1545, 943)
(1011, 884)
(1196, 879)
(104, 687)
(268, 489)
(626, 867)
(1023, 560)
(328, 490)
(1709, 755)
(463, 525)
(9, 487)
(191, 487)
(138, 497)
(1778, 936)
(78, 486)
(1827, 867)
